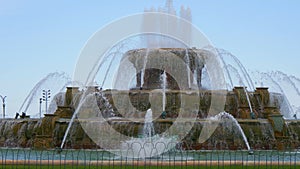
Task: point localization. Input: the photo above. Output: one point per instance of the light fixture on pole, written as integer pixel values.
(3, 104)
(46, 97)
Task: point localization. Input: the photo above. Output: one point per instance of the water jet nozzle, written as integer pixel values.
(58, 150)
(163, 114)
(252, 115)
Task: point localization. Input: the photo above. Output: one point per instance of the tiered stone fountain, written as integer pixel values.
(265, 128)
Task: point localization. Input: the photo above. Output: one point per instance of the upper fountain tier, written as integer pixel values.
(183, 67)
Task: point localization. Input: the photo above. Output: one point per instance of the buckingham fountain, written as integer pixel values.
(157, 107)
(174, 97)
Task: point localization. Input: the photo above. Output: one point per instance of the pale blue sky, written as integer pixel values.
(38, 37)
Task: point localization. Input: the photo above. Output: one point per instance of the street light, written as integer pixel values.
(3, 104)
(46, 97)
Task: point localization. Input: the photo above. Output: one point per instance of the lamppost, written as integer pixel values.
(46, 97)
(41, 100)
(3, 104)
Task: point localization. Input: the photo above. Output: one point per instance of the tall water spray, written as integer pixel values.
(240, 69)
(178, 28)
(225, 115)
(238, 72)
(278, 84)
(88, 99)
(148, 129)
(54, 82)
(71, 123)
(164, 85)
(248, 99)
(144, 67)
(149, 144)
(187, 62)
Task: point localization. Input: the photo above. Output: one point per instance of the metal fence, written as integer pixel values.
(55, 158)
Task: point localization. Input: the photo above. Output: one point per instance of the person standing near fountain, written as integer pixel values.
(17, 115)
